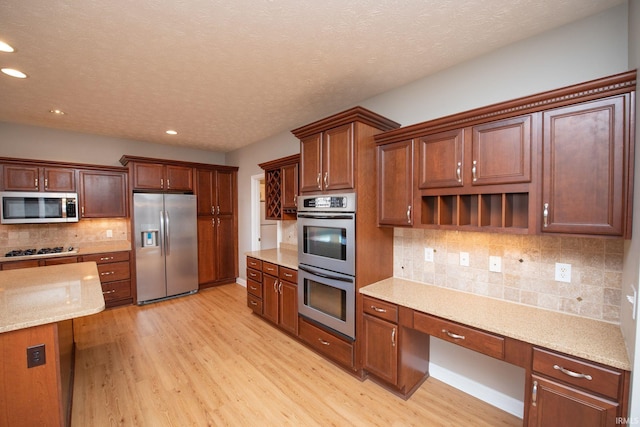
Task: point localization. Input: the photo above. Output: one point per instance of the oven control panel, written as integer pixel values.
(339, 202)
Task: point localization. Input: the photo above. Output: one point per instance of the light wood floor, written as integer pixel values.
(205, 360)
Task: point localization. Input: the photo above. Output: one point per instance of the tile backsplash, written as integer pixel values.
(82, 233)
(528, 268)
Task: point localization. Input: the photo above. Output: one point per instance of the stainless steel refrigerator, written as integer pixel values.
(166, 242)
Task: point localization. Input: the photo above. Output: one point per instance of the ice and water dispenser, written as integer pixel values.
(149, 238)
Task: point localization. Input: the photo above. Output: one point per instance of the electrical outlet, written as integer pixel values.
(428, 254)
(495, 264)
(109, 233)
(563, 272)
(464, 259)
(633, 300)
(36, 356)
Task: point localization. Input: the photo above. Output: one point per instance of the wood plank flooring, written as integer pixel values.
(205, 360)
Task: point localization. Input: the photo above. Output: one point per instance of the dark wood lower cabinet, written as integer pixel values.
(381, 349)
(555, 404)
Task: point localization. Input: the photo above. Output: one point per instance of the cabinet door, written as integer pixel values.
(270, 297)
(148, 176)
(441, 160)
(206, 250)
(395, 183)
(178, 178)
(289, 177)
(501, 152)
(380, 348)
(584, 168)
(311, 163)
(226, 250)
(554, 404)
(337, 158)
(103, 194)
(288, 304)
(204, 189)
(59, 179)
(225, 190)
(21, 178)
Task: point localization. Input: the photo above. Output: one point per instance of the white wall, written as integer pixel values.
(585, 50)
(631, 271)
(32, 142)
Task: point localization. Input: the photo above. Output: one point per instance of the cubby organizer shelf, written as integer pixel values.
(501, 211)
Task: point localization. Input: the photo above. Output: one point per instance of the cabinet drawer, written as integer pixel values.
(254, 303)
(14, 265)
(325, 343)
(577, 372)
(107, 257)
(254, 288)
(116, 290)
(381, 309)
(114, 271)
(288, 274)
(491, 345)
(254, 275)
(254, 263)
(62, 260)
(271, 269)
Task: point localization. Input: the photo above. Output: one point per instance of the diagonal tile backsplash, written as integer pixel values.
(528, 268)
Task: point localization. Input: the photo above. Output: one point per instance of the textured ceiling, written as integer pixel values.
(225, 74)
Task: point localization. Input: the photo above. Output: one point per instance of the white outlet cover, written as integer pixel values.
(563, 272)
(464, 259)
(428, 254)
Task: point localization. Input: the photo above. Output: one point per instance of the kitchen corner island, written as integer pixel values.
(37, 308)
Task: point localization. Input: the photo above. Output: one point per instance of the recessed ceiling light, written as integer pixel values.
(5, 47)
(14, 73)
(171, 132)
(58, 112)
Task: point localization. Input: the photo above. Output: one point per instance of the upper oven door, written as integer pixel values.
(327, 240)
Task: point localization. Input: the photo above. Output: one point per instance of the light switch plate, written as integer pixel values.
(428, 254)
(464, 259)
(495, 264)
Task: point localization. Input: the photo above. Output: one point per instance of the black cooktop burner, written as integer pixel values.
(43, 251)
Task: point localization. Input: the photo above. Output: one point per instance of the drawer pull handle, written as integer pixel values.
(571, 373)
(253, 288)
(108, 292)
(379, 310)
(106, 258)
(253, 303)
(323, 342)
(107, 273)
(452, 335)
(534, 394)
(288, 275)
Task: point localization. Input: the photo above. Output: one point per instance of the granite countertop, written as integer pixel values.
(590, 339)
(40, 295)
(284, 256)
(98, 247)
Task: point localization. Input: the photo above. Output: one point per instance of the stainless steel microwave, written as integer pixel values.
(26, 207)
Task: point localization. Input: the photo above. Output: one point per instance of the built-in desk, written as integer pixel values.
(576, 367)
(37, 307)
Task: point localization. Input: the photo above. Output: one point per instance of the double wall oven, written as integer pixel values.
(326, 260)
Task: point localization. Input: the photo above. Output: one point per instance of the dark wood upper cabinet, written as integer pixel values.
(281, 187)
(103, 194)
(585, 168)
(34, 178)
(162, 177)
(311, 168)
(441, 158)
(395, 183)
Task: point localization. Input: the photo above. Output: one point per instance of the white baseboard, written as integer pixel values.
(482, 392)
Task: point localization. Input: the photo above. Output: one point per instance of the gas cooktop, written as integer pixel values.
(41, 252)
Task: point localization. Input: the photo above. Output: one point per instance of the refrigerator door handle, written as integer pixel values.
(167, 234)
(162, 234)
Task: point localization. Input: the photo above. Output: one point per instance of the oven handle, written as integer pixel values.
(325, 216)
(323, 275)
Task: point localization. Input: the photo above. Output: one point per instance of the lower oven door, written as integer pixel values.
(327, 298)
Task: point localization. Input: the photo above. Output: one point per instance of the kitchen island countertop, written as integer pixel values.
(41, 295)
(590, 339)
